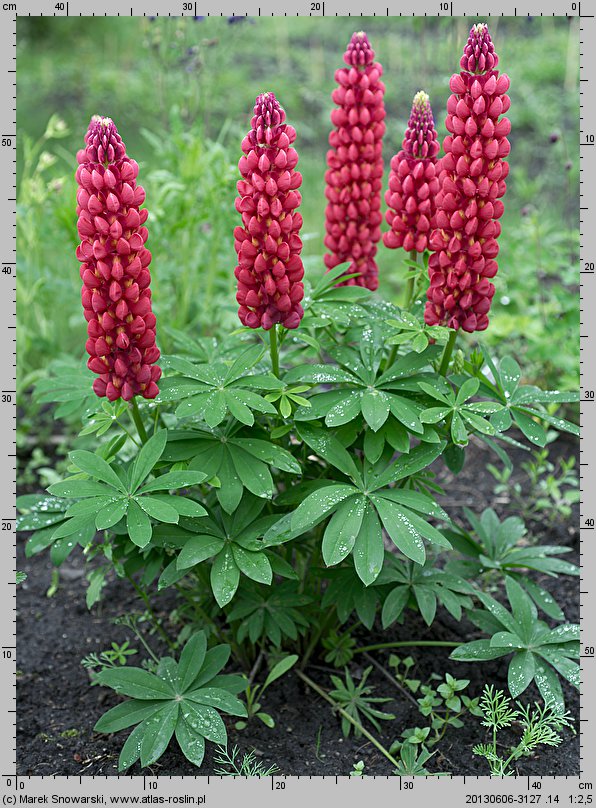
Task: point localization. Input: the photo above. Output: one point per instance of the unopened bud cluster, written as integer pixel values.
(472, 182)
(355, 165)
(269, 271)
(114, 267)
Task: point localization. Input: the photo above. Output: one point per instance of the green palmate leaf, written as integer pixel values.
(406, 413)
(459, 433)
(225, 577)
(136, 683)
(245, 361)
(170, 576)
(138, 525)
(524, 610)
(368, 551)
(91, 505)
(532, 430)
(238, 408)
(96, 467)
(147, 458)
(191, 743)
(111, 514)
(199, 548)
(521, 672)
(230, 493)
(205, 721)
(192, 659)
(427, 602)
(158, 509)
(269, 453)
(478, 423)
(182, 505)
(394, 604)
(401, 530)
(254, 565)
(317, 374)
(416, 501)
(375, 407)
(318, 505)
(131, 751)
(159, 729)
(549, 685)
(405, 466)
(74, 487)
(256, 477)
(343, 529)
(218, 698)
(215, 660)
(173, 480)
(215, 408)
(75, 526)
(329, 448)
(477, 651)
(345, 409)
(126, 714)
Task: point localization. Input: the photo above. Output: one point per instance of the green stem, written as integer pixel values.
(447, 353)
(348, 717)
(138, 421)
(410, 288)
(390, 358)
(124, 429)
(315, 638)
(274, 350)
(392, 679)
(407, 644)
(410, 292)
(160, 629)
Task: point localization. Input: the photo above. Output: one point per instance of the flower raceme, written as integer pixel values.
(269, 271)
(413, 183)
(472, 182)
(355, 165)
(114, 267)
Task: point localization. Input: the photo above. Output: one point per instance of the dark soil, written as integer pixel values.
(57, 708)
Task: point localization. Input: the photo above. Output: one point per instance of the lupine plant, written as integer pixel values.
(282, 481)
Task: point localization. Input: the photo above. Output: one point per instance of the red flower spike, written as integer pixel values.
(355, 165)
(116, 296)
(413, 183)
(269, 271)
(472, 181)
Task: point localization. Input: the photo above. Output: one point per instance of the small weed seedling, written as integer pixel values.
(540, 723)
(443, 705)
(113, 657)
(254, 693)
(356, 701)
(233, 764)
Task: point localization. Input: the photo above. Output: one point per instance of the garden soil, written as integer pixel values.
(57, 708)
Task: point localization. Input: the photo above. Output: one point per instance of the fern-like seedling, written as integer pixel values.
(541, 724)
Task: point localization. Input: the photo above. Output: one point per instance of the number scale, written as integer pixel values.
(290, 791)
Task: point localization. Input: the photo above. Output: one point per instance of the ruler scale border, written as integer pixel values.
(291, 790)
